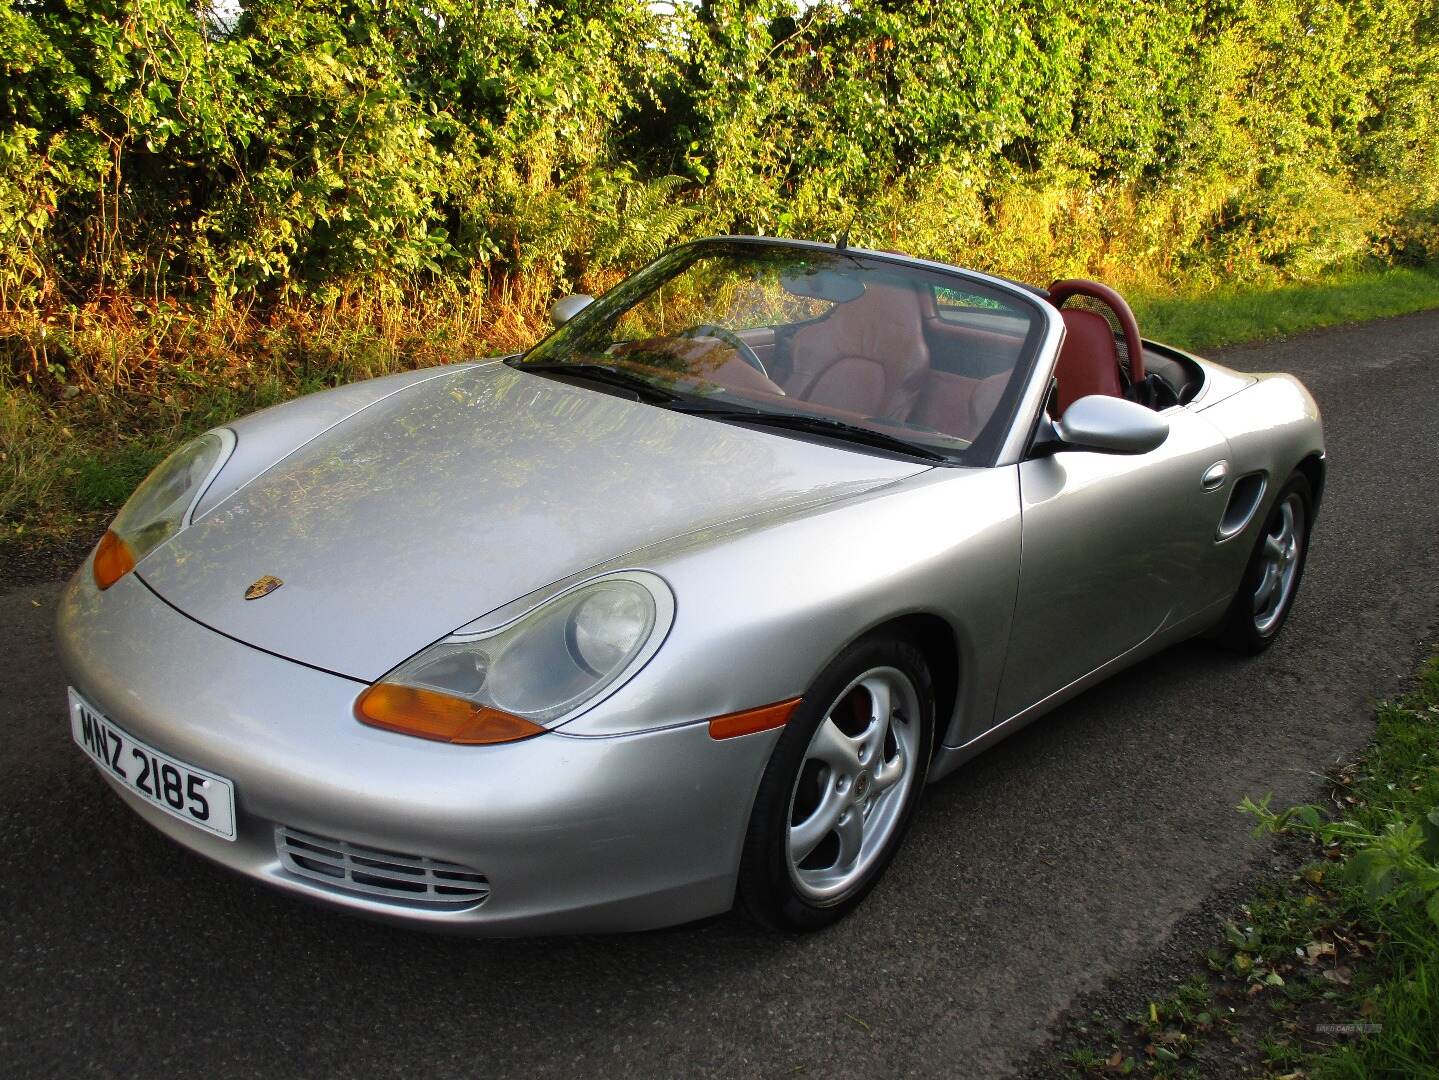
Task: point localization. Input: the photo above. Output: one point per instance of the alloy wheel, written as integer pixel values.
(853, 782)
(1283, 545)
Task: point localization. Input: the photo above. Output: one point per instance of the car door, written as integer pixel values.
(1115, 547)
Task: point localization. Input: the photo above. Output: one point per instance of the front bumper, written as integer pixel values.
(574, 834)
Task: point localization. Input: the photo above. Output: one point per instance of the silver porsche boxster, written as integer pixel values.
(682, 608)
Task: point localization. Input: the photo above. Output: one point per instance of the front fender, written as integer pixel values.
(763, 606)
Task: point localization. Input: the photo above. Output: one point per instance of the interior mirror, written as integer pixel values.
(569, 307)
(820, 284)
(1110, 425)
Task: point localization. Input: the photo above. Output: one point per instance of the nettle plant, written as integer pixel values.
(1396, 865)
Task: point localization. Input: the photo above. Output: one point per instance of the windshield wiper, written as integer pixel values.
(641, 387)
(824, 425)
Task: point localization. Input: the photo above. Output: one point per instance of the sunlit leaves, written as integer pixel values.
(318, 148)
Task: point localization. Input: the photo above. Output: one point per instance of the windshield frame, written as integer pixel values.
(1003, 439)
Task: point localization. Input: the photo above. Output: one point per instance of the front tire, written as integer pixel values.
(841, 787)
(1271, 580)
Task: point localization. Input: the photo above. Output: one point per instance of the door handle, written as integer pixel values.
(1214, 476)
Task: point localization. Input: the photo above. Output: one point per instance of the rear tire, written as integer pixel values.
(841, 787)
(1266, 593)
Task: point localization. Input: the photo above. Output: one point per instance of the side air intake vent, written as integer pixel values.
(1248, 493)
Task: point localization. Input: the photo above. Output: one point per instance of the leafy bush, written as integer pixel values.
(329, 147)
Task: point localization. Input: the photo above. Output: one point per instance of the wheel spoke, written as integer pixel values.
(807, 835)
(835, 749)
(1274, 547)
(888, 773)
(871, 748)
(850, 828)
(880, 699)
(1265, 592)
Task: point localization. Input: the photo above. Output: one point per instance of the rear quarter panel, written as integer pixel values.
(1272, 426)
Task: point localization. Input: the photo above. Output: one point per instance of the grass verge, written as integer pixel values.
(91, 397)
(1237, 314)
(1328, 973)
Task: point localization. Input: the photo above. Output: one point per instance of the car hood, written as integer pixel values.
(453, 497)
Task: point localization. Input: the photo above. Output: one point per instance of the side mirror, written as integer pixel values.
(569, 307)
(1108, 425)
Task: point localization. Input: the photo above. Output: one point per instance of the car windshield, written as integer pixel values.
(879, 352)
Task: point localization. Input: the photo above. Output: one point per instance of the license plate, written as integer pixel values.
(194, 796)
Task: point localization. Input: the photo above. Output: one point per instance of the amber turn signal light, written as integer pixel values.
(750, 721)
(113, 560)
(429, 714)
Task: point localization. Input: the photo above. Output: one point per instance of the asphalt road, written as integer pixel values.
(1062, 856)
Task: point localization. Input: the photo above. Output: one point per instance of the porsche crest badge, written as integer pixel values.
(264, 587)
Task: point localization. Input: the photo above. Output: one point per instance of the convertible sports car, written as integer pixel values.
(684, 606)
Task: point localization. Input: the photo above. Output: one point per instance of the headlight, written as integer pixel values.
(512, 682)
(161, 506)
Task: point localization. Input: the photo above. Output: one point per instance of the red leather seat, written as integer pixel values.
(867, 356)
(1089, 360)
(957, 405)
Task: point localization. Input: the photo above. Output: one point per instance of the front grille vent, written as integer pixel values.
(353, 868)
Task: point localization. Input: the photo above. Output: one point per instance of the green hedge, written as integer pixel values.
(321, 149)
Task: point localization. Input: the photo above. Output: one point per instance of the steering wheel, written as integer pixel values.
(730, 338)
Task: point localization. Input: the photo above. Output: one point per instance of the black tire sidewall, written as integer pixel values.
(765, 888)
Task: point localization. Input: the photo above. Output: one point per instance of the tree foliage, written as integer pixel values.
(323, 148)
